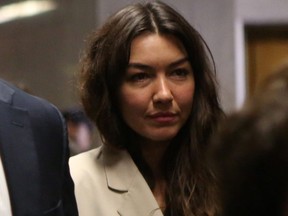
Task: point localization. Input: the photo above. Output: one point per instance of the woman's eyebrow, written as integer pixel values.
(178, 62)
(148, 67)
(139, 66)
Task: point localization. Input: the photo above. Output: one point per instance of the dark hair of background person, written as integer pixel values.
(190, 181)
(77, 116)
(80, 130)
(250, 153)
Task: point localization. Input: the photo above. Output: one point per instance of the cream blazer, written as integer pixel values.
(108, 183)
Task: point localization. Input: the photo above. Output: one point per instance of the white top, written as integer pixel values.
(5, 205)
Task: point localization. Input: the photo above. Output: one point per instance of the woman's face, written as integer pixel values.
(157, 91)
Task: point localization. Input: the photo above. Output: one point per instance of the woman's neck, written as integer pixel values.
(153, 154)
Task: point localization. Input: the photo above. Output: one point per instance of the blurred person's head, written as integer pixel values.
(250, 153)
(79, 129)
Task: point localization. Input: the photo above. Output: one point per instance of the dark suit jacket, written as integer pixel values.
(34, 151)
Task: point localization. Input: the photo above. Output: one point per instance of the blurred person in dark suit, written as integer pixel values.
(34, 173)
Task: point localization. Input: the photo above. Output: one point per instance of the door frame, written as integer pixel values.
(248, 12)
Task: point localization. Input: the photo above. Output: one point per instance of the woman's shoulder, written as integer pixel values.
(85, 162)
(85, 157)
(86, 170)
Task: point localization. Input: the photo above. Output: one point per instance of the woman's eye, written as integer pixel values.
(180, 73)
(139, 77)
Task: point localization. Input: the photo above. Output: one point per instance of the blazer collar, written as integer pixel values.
(123, 176)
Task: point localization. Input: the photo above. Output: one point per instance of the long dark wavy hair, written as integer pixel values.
(190, 183)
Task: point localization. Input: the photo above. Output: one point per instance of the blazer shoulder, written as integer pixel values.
(6, 91)
(107, 182)
(85, 162)
(23, 100)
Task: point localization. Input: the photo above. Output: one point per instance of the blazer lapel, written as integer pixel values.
(123, 176)
(19, 160)
(139, 200)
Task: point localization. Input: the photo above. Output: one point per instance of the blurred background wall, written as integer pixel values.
(42, 52)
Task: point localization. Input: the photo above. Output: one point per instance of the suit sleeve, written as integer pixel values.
(68, 196)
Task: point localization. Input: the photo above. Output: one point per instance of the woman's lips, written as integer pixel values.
(161, 117)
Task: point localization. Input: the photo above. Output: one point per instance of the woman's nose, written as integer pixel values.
(162, 92)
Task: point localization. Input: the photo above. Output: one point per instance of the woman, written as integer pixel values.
(148, 86)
